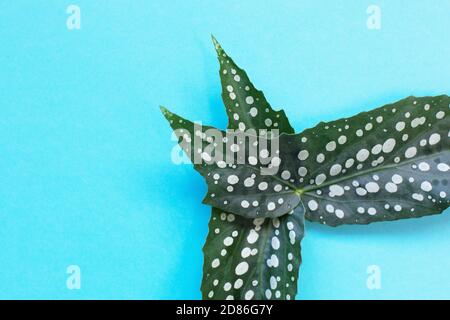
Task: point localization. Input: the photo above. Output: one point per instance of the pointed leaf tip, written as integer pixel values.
(246, 106)
(217, 46)
(166, 113)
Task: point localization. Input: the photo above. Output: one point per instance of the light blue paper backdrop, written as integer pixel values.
(86, 176)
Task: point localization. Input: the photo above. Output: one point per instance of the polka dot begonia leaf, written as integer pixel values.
(270, 247)
(245, 105)
(241, 188)
(252, 259)
(387, 164)
(390, 163)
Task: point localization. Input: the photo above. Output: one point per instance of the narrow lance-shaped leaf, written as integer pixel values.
(252, 258)
(246, 106)
(270, 247)
(243, 185)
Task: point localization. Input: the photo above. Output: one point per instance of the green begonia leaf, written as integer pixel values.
(252, 259)
(365, 164)
(245, 105)
(233, 240)
(263, 180)
(387, 164)
(244, 189)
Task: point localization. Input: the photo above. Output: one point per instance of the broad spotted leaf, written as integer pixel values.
(263, 240)
(234, 80)
(278, 254)
(252, 259)
(380, 165)
(387, 164)
(244, 184)
(246, 106)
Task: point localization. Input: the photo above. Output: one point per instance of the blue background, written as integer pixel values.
(86, 176)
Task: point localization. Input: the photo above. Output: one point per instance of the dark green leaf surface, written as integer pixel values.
(236, 87)
(252, 259)
(238, 188)
(262, 240)
(246, 106)
(387, 164)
